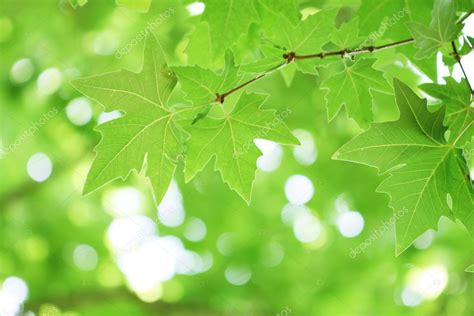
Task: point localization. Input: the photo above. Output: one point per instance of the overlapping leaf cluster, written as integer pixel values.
(422, 151)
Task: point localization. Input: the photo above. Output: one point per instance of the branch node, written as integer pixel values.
(289, 57)
(346, 54)
(371, 49)
(322, 55)
(220, 98)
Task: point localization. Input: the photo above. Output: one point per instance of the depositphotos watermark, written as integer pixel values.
(394, 19)
(30, 131)
(143, 34)
(278, 119)
(376, 233)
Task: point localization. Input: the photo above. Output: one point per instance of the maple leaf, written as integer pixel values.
(147, 131)
(352, 87)
(442, 30)
(459, 113)
(228, 21)
(427, 175)
(230, 140)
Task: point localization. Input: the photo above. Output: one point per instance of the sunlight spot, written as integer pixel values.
(195, 8)
(171, 210)
(237, 275)
(13, 293)
(151, 295)
(410, 298)
(124, 201)
(225, 244)
(39, 167)
(85, 257)
(290, 212)
(299, 189)
(425, 240)
(195, 230)
(109, 116)
(21, 71)
(151, 263)
(306, 153)
(49, 81)
(307, 228)
(125, 234)
(424, 284)
(442, 69)
(350, 224)
(79, 111)
(271, 158)
(341, 204)
(105, 43)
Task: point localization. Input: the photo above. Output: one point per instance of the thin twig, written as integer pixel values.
(293, 57)
(353, 52)
(221, 97)
(458, 59)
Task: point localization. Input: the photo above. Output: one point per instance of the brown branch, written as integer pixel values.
(352, 52)
(294, 57)
(221, 97)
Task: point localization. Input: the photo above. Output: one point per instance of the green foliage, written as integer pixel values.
(188, 116)
(459, 113)
(128, 140)
(228, 21)
(231, 138)
(201, 85)
(226, 131)
(427, 176)
(353, 87)
(441, 31)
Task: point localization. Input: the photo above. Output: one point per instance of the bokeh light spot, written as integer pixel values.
(39, 167)
(299, 189)
(79, 111)
(21, 71)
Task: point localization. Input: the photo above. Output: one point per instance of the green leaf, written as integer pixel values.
(352, 87)
(271, 10)
(201, 85)
(269, 60)
(228, 20)
(147, 131)
(347, 35)
(307, 37)
(77, 3)
(470, 268)
(231, 141)
(459, 112)
(141, 6)
(382, 19)
(427, 175)
(442, 29)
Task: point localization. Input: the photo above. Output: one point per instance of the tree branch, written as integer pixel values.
(294, 57)
(346, 53)
(458, 59)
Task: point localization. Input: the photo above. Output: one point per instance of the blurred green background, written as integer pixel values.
(316, 239)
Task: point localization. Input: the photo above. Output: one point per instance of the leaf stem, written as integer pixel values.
(221, 97)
